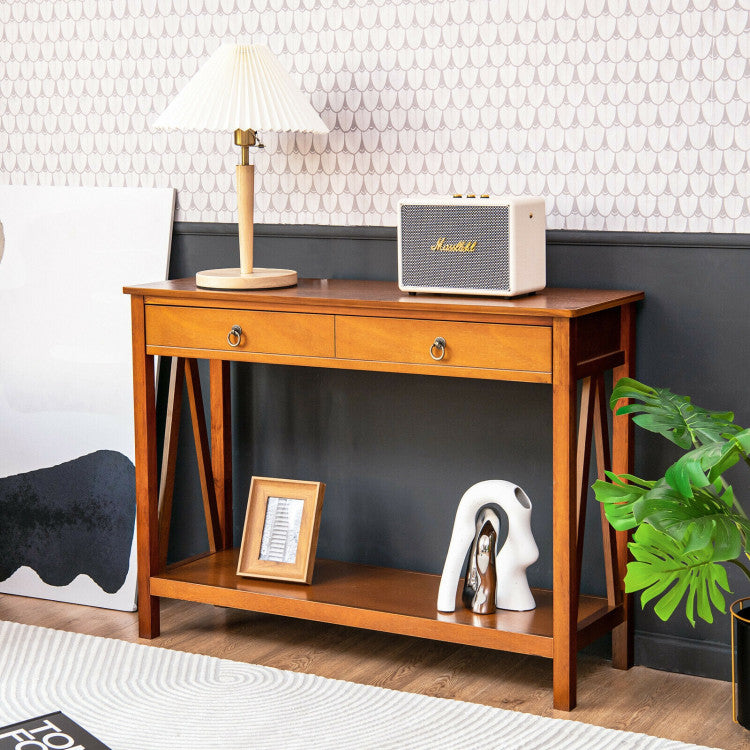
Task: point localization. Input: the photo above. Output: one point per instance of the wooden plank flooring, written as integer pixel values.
(680, 707)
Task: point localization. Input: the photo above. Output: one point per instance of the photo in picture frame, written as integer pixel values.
(281, 529)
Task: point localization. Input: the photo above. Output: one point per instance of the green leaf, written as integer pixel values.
(743, 440)
(630, 388)
(619, 498)
(697, 521)
(655, 588)
(668, 603)
(667, 573)
(704, 602)
(630, 478)
(703, 466)
(728, 498)
(671, 415)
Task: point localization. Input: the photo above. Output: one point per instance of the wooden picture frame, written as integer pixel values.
(281, 529)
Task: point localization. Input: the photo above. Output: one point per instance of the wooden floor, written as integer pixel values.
(690, 709)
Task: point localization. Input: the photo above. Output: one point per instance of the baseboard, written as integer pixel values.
(672, 653)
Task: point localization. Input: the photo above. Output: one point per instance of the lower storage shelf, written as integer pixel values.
(374, 598)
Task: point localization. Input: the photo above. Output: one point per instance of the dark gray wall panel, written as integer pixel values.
(397, 451)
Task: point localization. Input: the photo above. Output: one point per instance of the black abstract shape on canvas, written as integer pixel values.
(77, 517)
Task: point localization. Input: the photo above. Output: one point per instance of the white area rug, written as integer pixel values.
(135, 697)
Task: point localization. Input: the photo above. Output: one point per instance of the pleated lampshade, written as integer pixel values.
(241, 86)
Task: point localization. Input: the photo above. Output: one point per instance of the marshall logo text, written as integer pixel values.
(459, 247)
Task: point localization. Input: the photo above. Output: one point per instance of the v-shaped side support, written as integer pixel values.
(583, 463)
(169, 455)
(604, 464)
(187, 370)
(593, 432)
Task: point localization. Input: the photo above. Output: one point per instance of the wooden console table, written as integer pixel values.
(559, 336)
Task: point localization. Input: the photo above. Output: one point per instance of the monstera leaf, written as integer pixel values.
(703, 466)
(698, 521)
(619, 495)
(675, 417)
(663, 569)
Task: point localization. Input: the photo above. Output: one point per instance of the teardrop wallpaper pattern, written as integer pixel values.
(624, 114)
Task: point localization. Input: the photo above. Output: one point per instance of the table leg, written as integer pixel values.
(564, 519)
(221, 447)
(146, 476)
(622, 462)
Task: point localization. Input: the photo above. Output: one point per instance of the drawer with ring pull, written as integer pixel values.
(494, 346)
(249, 331)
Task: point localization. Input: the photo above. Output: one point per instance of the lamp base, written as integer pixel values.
(233, 278)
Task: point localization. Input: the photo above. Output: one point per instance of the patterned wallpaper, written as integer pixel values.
(625, 114)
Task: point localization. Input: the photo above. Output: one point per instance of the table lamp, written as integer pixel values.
(243, 88)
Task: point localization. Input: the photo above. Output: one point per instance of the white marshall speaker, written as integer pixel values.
(491, 246)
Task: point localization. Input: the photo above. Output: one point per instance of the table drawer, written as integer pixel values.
(484, 345)
(298, 334)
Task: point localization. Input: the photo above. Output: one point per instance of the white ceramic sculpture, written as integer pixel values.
(518, 552)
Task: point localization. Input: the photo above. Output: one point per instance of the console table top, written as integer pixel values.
(559, 303)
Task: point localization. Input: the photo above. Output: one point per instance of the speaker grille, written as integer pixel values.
(487, 267)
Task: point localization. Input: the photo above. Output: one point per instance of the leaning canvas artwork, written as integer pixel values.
(67, 475)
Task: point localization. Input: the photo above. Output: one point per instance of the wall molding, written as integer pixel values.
(672, 653)
(296, 231)
(670, 240)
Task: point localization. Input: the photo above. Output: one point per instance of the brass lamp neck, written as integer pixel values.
(244, 139)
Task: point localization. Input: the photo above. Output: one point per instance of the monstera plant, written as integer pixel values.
(689, 521)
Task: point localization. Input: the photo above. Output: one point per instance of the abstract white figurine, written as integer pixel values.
(518, 552)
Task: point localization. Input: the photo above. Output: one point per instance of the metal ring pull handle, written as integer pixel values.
(234, 336)
(439, 344)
